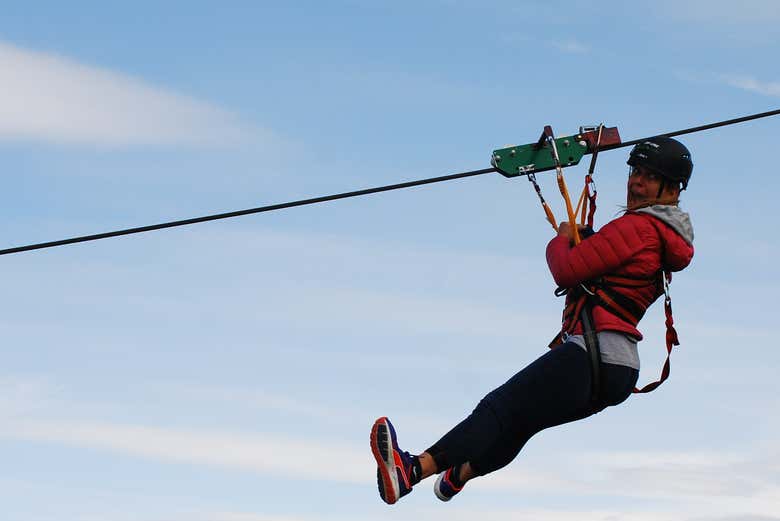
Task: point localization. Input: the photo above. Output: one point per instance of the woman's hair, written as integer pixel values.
(669, 200)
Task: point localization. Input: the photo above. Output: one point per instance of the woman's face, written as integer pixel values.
(643, 186)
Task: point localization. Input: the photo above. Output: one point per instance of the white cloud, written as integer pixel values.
(235, 516)
(46, 97)
(641, 513)
(737, 480)
(715, 485)
(571, 46)
(743, 82)
(254, 452)
(767, 88)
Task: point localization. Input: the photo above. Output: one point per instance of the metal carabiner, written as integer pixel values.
(667, 296)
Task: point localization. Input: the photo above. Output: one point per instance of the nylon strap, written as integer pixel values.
(602, 294)
(594, 351)
(550, 138)
(671, 340)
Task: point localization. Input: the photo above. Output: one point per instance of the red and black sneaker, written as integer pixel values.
(394, 466)
(445, 486)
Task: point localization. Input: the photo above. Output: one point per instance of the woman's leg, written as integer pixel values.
(553, 390)
(617, 383)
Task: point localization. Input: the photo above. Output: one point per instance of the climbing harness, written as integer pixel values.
(605, 292)
(585, 304)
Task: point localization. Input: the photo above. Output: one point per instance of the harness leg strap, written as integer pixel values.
(594, 353)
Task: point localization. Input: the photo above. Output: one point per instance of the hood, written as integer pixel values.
(678, 249)
(678, 220)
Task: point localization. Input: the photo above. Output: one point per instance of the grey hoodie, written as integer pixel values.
(678, 220)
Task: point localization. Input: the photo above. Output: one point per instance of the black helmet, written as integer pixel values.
(664, 156)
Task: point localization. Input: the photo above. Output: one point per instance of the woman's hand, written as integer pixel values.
(565, 229)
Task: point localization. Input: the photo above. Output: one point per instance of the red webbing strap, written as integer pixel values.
(590, 186)
(571, 314)
(605, 300)
(586, 206)
(631, 282)
(671, 341)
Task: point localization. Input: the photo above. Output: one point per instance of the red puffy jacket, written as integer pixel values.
(635, 245)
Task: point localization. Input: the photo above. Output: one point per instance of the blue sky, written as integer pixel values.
(231, 371)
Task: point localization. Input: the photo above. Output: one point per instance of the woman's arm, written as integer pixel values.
(602, 253)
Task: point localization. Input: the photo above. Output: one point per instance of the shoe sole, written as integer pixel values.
(436, 488)
(382, 448)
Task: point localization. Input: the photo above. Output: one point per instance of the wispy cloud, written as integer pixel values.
(641, 513)
(51, 98)
(253, 452)
(571, 46)
(737, 479)
(235, 516)
(749, 83)
(699, 485)
(739, 81)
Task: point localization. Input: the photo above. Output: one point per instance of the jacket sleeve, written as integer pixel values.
(602, 253)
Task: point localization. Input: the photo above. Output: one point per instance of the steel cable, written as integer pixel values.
(357, 193)
(238, 213)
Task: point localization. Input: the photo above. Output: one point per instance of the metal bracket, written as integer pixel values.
(514, 161)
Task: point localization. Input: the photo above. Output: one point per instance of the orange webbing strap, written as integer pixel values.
(550, 217)
(671, 340)
(547, 211)
(580, 207)
(575, 232)
(550, 138)
(586, 206)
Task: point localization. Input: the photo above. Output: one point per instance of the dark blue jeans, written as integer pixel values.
(553, 390)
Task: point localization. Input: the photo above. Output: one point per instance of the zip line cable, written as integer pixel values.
(697, 129)
(261, 209)
(345, 195)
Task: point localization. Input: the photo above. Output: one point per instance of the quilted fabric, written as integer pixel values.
(635, 245)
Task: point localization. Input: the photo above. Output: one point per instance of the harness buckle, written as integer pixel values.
(667, 295)
(591, 187)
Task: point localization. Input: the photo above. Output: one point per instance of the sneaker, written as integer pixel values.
(394, 467)
(444, 487)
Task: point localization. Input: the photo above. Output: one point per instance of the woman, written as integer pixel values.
(652, 237)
